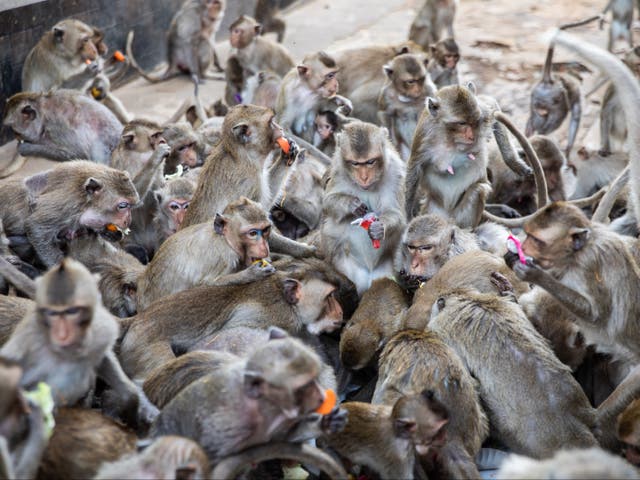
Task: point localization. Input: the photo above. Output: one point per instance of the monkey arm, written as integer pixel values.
(468, 211)
(132, 405)
(6, 465)
(340, 206)
(576, 113)
(34, 150)
(18, 279)
(414, 175)
(250, 274)
(115, 105)
(281, 244)
(33, 447)
(41, 235)
(78, 80)
(614, 405)
(575, 302)
(145, 176)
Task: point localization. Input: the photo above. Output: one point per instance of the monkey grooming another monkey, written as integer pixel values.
(62, 125)
(387, 438)
(434, 17)
(366, 179)
(253, 400)
(443, 63)
(66, 340)
(402, 100)
(189, 41)
(552, 99)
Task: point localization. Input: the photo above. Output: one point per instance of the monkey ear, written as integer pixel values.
(303, 70)
(219, 224)
(257, 28)
(191, 115)
(472, 86)
(433, 50)
(128, 138)
(292, 291)
(404, 427)
(92, 186)
(28, 113)
(579, 237)
(433, 106)
(242, 132)
(276, 333)
(261, 76)
(58, 33)
(254, 385)
(36, 183)
(404, 50)
(388, 71)
(583, 153)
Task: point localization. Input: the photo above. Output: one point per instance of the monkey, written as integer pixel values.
(62, 125)
(569, 463)
(594, 171)
(168, 456)
(67, 340)
(236, 239)
(277, 382)
(453, 172)
(443, 63)
(520, 192)
(402, 99)
(187, 147)
(173, 200)
(628, 433)
(612, 121)
(297, 205)
(23, 435)
(366, 178)
(143, 153)
(302, 90)
(189, 41)
(552, 98)
(431, 19)
(375, 321)
(234, 77)
(387, 438)
(501, 332)
(326, 125)
(361, 75)
(556, 324)
(266, 13)
(255, 53)
(621, 19)
(427, 243)
(248, 137)
(100, 90)
(479, 270)
(64, 201)
(118, 271)
(567, 253)
(414, 360)
(82, 440)
(58, 59)
(302, 299)
(262, 89)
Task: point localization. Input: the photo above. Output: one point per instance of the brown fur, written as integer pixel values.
(414, 360)
(434, 17)
(443, 61)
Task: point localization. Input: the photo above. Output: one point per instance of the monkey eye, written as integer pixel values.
(370, 162)
(72, 311)
(329, 76)
(124, 205)
(185, 206)
(174, 206)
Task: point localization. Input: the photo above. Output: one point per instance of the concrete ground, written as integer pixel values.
(501, 43)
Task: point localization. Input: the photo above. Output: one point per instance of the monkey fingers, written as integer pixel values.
(502, 283)
(528, 272)
(376, 230)
(358, 207)
(335, 421)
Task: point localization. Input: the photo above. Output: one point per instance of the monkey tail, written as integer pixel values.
(609, 199)
(230, 467)
(16, 164)
(532, 158)
(627, 88)
(16, 278)
(137, 67)
(323, 157)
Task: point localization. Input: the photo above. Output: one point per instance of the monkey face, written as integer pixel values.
(323, 127)
(23, 117)
(176, 209)
(66, 326)
(214, 7)
(254, 242)
(549, 108)
(424, 259)
(329, 84)
(187, 155)
(450, 60)
(412, 87)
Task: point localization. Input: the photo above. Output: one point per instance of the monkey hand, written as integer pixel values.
(528, 272)
(164, 149)
(92, 69)
(261, 269)
(410, 282)
(358, 207)
(376, 230)
(334, 421)
(502, 283)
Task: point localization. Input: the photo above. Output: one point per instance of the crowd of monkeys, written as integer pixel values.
(192, 292)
